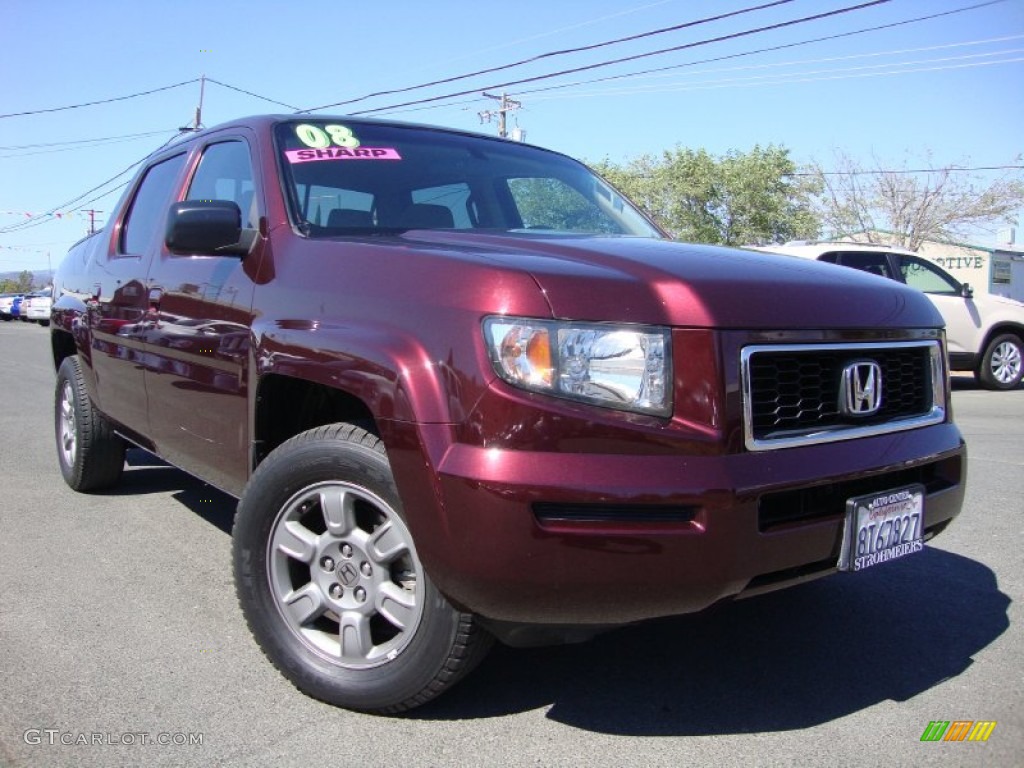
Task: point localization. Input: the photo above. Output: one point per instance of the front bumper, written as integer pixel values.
(675, 533)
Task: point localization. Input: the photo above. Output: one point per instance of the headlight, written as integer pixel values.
(617, 366)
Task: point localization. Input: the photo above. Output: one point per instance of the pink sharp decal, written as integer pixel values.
(341, 153)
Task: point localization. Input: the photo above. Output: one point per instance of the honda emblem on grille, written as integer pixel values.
(860, 391)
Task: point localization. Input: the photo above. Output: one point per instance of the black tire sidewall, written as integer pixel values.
(99, 453)
(70, 373)
(294, 466)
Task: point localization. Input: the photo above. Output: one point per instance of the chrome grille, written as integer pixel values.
(792, 392)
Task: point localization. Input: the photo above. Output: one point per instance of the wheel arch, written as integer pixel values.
(62, 345)
(1000, 329)
(311, 376)
(286, 406)
(68, 331)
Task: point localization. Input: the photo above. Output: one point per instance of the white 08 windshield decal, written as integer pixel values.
(334, 142)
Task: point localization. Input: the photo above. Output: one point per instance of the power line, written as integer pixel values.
(250, 93)
(558, 31)
(870, 55)
(552, 54)
(48, 216)
(762, 50)
(110, 191)
(87, 141)
(100, 101)
(70, 204)
(72, 146)
(536, 78)
(561, 86)
(906, 171)
(894, 68)
(44, 218)
(864, 5)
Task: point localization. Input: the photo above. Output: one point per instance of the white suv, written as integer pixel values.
(985, 333)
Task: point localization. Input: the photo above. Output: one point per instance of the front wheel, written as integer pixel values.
(330, 582)
(90, 454)
(1002, 364)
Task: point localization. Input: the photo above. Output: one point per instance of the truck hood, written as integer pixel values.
(661, 282)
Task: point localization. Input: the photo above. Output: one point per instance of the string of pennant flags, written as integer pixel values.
(23, 248)
(55, 214)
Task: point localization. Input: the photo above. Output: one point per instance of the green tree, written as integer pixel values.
(24, 282)
(735, 199)
(906, 204)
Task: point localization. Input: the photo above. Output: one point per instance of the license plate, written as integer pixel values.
(882, 527)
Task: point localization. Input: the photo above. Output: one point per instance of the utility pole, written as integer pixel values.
(92, 219)
(507, 105)
(199, 109)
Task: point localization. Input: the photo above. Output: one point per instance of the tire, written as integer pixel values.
(1003, 363)
(342, 606)
(90, 455)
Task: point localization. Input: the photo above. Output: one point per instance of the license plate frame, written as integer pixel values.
(882, 526)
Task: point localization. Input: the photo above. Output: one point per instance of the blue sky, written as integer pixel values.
(951, 86)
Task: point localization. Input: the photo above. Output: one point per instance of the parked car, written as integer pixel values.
(6, 302)
(464, 390)
(984, 333)
(23, 306)
(35, 308)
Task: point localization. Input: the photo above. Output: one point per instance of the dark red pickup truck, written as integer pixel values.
(464, 389)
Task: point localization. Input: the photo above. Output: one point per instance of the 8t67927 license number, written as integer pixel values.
(882, 527)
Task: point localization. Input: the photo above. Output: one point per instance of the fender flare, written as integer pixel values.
(388, 370)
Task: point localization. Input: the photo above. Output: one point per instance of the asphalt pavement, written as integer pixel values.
(121, 642)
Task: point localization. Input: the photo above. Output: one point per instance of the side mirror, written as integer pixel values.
(966, 291)
(211, 227)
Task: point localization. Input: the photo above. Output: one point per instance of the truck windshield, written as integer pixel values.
(351, 177)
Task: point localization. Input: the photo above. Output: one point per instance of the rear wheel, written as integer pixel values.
(91, 456)
(1002, 364)
(330, 582)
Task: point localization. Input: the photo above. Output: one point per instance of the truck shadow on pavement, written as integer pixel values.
(145, 473)
(783, 661)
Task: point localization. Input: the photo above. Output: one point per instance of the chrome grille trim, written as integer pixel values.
(933, 410)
